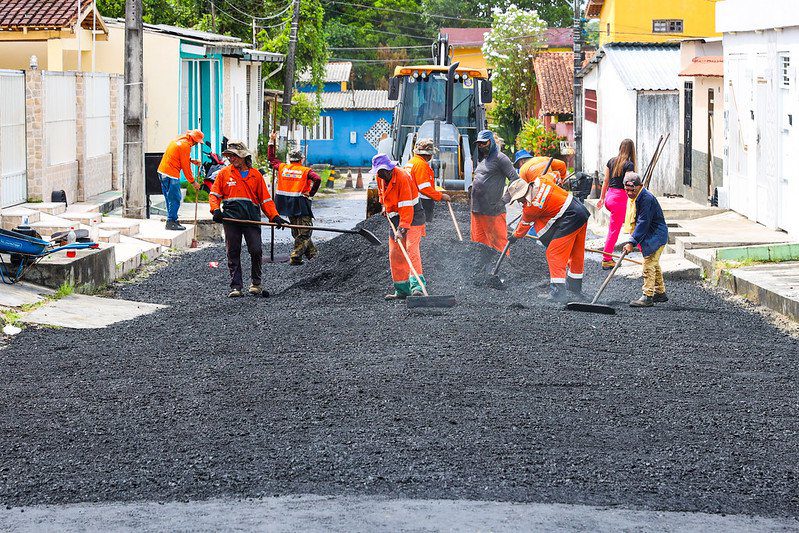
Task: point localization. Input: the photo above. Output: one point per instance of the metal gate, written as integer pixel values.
(659, 113)
(13, 169)
(688, 130)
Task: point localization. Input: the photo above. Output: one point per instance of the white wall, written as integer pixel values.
(760, 166)
(746, 15)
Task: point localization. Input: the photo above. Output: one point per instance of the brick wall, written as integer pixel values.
(97, 175)
(117, 131)
(63, 177)
(34, 133)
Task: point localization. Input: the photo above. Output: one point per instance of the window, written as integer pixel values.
(667, 26)
(322, 131)
(590, 105)
(785, 70)
(607, 29)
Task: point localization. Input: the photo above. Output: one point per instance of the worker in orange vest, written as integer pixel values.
(177, 158)
(400, 199)
(242, 191)
(560, 221)
(295, 186)
(422, 173)
(533, 167)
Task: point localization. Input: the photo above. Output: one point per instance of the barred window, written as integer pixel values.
(322, 131)
(667, 26)
(785, 70)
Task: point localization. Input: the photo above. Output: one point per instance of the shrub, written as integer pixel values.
(538, 140)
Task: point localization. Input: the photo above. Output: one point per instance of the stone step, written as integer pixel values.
(153, 231)
(90, 218)
(17, 216)
(102, 203)
(109, 236)
(51, 208)
(132, 253)
(125, 226)
(48, 227)
(675, 232)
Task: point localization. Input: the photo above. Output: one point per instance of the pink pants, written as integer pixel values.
(616, 203)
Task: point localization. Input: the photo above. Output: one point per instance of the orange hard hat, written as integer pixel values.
(195, 135)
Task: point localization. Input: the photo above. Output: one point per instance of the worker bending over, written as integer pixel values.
(176, 158)
(560, 222)
(488, 210)
(651, 233)
(530, 169)
(296, 184)
(422, 173)
(400, 199)
(243, 194)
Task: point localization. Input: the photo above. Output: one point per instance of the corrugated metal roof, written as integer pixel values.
(642, 66)
(335, 72)
(357, 100)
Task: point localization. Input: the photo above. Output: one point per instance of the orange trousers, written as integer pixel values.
(567, 252)
(404, 280)
(491, 230)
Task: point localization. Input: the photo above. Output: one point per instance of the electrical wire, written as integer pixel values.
(377, 47)
(248, 15)
(406, 12)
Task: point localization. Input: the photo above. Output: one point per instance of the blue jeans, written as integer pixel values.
(171, 189)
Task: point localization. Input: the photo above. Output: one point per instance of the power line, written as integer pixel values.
(248, 15)
(403, 60)
(376, 21)
(406, 12)
(248, 23)
(377, 47)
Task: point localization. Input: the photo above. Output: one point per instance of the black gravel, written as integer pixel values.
(325, 388)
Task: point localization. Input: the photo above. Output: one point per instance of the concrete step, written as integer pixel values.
(48, 227)
(17, 216)
(673, 266)
(109, 236)
(102, 203)
(125, 226)
(676, 232)
(705, 258)
(51, 208)
(153, 231)
(132, 253)
(90, 218)
(89, 267)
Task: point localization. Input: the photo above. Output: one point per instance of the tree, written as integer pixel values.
(516, 36)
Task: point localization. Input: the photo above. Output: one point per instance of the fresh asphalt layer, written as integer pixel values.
(326, 389)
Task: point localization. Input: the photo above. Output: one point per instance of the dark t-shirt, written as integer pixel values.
(617, 182)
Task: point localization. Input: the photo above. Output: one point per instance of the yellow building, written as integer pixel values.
(652, 21)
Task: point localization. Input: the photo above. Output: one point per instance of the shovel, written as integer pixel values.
(426, 300)
(366, 234)
(594, 307)
(194, 242)
(455, 222)
(494, 281)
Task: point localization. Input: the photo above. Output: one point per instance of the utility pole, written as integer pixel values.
(213, 16)
(254, 44)
(134, 111)
(288, 80)
(578, 88)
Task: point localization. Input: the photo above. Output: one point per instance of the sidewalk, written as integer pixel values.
(726, 249)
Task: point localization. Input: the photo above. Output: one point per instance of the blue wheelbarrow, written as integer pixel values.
(25, 251)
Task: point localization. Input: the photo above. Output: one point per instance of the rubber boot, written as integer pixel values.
(401, 291)
(643, 301)
(575, 288)
(416, 289)
(557, 293)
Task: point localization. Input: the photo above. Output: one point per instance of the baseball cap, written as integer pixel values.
(485, 135)
(521, 154)
(632, 179)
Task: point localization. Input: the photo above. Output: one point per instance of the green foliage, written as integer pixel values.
(506, 123)
(305, 110)
(191, 194)
(65, 289)
(538, 140)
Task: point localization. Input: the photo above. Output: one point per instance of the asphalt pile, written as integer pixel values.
(325, 388)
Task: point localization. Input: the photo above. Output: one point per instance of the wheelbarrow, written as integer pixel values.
(26, 251)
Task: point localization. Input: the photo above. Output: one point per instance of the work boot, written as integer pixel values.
(295, 261)
(395, 296)
(660, 298)
(256, 290)
(417, 292)
(557, 293)
(235, 293)
(643, 301)
(608, 265)
(173, 225)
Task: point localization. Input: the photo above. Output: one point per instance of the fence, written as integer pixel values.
(97, 91)
(60, 117)
(13, 179)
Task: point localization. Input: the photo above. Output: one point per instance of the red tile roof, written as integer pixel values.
(474, 37)
(705, 66)
(594, 8)
(44, 14)
(554, 74)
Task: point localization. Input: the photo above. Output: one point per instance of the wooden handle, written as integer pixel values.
(407, 257)
(455, 221)
(607, 280)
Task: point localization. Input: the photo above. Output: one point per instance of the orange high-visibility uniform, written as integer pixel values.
(560, 222)
(422, 173)
(178, 157)
(533, 169)
(400, 199)
(491, 230)
(230, 186)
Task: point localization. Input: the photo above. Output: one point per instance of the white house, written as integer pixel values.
(761, 103)
(630, 90)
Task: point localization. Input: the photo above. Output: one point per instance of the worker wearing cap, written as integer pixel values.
(177, 158)
(493, 170)
(651, 233)
(400, 199)
(295, 186)
(560, 221)
(520, 158)
(422, 173)
(532, 168)
(242, 192)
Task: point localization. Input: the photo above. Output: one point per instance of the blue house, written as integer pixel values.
(351, 124)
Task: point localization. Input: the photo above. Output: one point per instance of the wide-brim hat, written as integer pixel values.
(424, 147)
(518, 189)
(382, 162)
(237, 148)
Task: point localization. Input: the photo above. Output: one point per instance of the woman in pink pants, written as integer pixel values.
(613, 196)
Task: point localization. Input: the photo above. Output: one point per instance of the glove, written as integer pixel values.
(512, 238)
(279, 222)
(401, 234)
(218, 216)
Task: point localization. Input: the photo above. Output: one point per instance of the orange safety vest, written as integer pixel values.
(547, 206)
(533, 168)
(423, 175)
(292, 180)
(177, 157)
(401, 200)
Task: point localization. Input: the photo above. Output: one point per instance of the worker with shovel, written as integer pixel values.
(560, 221)
(488, 210)
(177, 158)
(651, 233)
(296, 184)
(243, 194)
(532, 168)
(400, 200)
(422, 173)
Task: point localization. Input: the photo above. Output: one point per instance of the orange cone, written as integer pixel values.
(359, 181)
(348, 183)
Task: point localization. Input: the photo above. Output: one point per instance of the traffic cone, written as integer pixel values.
(331, 180)
(359, 181)
(348, 183)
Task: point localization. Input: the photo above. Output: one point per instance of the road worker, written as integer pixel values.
(400, 199)
(560, 222)
(296, 185)
(488, 210)
(243, 194)
(177, 158)
(422, 173)
(532, 168)
(520, 158)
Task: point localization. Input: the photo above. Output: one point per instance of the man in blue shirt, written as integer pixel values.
(651, 233)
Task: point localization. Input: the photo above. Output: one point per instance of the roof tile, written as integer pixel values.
(45, 14)
(554, 76)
